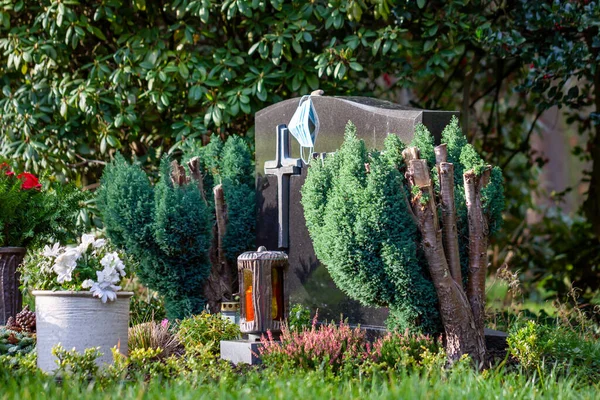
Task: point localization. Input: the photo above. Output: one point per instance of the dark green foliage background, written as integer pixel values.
(363, 232)
(81, 80)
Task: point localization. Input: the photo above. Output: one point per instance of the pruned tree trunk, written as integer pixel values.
(478, 241)
(221, 217)
(213, 291)
(194, 166)
(449, 229)
(219, 283)
(462, 336)
(178, 176)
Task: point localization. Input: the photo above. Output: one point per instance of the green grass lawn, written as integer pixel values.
(460, 383)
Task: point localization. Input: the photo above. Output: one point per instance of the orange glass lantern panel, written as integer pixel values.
(248, 298)
(277, 291)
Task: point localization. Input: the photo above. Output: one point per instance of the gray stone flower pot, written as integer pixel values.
(79, 320)
(10, 295)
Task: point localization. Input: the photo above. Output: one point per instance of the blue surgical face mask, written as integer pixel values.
(304, 126)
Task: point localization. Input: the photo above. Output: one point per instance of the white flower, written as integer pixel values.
(112, 261)
(65, 263)
(108, 275)
(105, 291)
(88, 283)
(98, 243)
(86, 240)
(53, 251)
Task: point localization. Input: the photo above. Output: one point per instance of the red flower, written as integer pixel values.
(5, 166)
(30, 181)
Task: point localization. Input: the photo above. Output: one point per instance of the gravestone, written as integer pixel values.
(280, 175)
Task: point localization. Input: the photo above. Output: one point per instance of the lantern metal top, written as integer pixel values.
(263, 254)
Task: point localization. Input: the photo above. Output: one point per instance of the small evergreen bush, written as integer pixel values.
(168, 228)
(230, 164)
(356, 205)
(80, 366)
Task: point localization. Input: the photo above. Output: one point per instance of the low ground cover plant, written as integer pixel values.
(206, 330)
(339, 348)
(407, 351)
(329, 346)
(536, 347)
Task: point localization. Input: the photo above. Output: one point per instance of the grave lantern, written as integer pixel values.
(263, 290)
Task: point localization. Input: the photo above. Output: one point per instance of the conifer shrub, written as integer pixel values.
(169, 228)
(231, 165)
(166, 228)
(359, 216)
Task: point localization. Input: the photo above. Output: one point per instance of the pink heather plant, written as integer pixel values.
(332, 345)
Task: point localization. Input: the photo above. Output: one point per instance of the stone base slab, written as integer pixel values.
(240, 351)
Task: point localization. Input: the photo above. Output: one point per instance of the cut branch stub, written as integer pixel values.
(478, 239)
(449, 228)
(441, 153)
(194, 166)
(484, 179)
(410, 153)
(178, 176)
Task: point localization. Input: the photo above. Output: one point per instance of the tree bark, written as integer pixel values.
(478, 240)
(449, 229)
(178, 176)
(462, 337)
(194, 166)
(221, 217)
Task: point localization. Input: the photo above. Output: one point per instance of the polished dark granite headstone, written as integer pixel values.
(374, 119)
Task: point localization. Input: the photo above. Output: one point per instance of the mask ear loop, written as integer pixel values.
(308, 157)
(313, 112)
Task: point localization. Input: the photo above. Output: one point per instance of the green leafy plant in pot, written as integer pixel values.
(32, 213)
